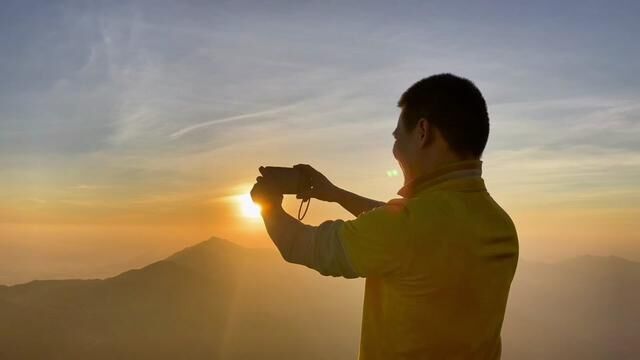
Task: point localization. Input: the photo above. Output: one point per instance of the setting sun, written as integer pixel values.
(248, 208)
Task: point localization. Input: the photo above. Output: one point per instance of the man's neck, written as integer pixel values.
(430, 164)
(442, 171)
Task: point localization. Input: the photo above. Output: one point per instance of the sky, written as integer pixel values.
(129, 129)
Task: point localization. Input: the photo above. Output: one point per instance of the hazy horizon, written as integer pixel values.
(141, 256)
(219, 300)
(129, 131)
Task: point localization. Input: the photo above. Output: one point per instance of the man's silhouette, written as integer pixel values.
(439, 260)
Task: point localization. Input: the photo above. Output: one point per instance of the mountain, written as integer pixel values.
(583, 308)
(219, 300)
(214, 300)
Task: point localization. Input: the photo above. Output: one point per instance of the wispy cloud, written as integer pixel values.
(271, 111)
(133, 97)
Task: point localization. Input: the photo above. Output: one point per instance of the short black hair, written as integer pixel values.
(452, 104)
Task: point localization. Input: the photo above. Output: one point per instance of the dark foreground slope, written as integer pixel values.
(217, 300)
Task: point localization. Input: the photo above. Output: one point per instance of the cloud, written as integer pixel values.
(190, 128)
(557, 124)
(587, 176)
(290, 82)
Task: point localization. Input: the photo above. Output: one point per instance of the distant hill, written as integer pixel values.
(584, 308)
(218, 300)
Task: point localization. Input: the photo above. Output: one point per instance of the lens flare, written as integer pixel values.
(248, 208)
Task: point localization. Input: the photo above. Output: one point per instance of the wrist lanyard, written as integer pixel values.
(308, 201)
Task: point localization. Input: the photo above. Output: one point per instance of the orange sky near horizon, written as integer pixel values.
(547, 230)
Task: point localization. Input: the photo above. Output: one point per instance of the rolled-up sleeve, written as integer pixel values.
(376, 243)
(320, 248)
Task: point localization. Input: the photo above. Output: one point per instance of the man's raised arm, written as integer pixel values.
(368, 245)
(316, 247)
(355, 203)
(323, 189)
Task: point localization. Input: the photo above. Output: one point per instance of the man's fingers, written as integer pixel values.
(304, 195)
(303, 167)
(306, 169)
(254, 192)
(260, 191)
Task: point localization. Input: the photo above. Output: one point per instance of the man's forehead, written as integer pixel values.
(401, 115)
(399, 122)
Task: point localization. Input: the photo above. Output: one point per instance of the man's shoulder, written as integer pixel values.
(425, 200)
(397, 202)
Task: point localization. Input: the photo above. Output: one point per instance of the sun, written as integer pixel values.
(248, 208)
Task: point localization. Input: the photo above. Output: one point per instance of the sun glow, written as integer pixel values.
(248, 208)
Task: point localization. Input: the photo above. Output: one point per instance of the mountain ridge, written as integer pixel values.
(218, 299)
(207, 249)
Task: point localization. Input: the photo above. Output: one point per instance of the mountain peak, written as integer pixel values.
(602, 260)
(217, 241)
(213, 243)
(215, 251)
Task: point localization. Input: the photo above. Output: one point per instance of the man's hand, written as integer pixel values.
(265, 194)
(321, 187)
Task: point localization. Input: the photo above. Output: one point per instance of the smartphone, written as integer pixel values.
(287, 179)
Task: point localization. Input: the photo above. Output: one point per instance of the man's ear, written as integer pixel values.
(425, 132)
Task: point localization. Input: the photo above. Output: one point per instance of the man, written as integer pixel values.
(439, 260)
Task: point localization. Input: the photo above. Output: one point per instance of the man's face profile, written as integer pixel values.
(409, 145)
(401, 146)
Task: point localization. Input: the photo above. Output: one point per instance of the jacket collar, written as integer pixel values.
(449, 171)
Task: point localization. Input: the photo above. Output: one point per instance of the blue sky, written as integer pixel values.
(166, 102)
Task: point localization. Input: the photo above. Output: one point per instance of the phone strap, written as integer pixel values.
(305, 210)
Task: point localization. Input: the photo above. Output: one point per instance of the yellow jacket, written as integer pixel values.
(438, 263)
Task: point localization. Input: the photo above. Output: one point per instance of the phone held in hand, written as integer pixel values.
(287, 179)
